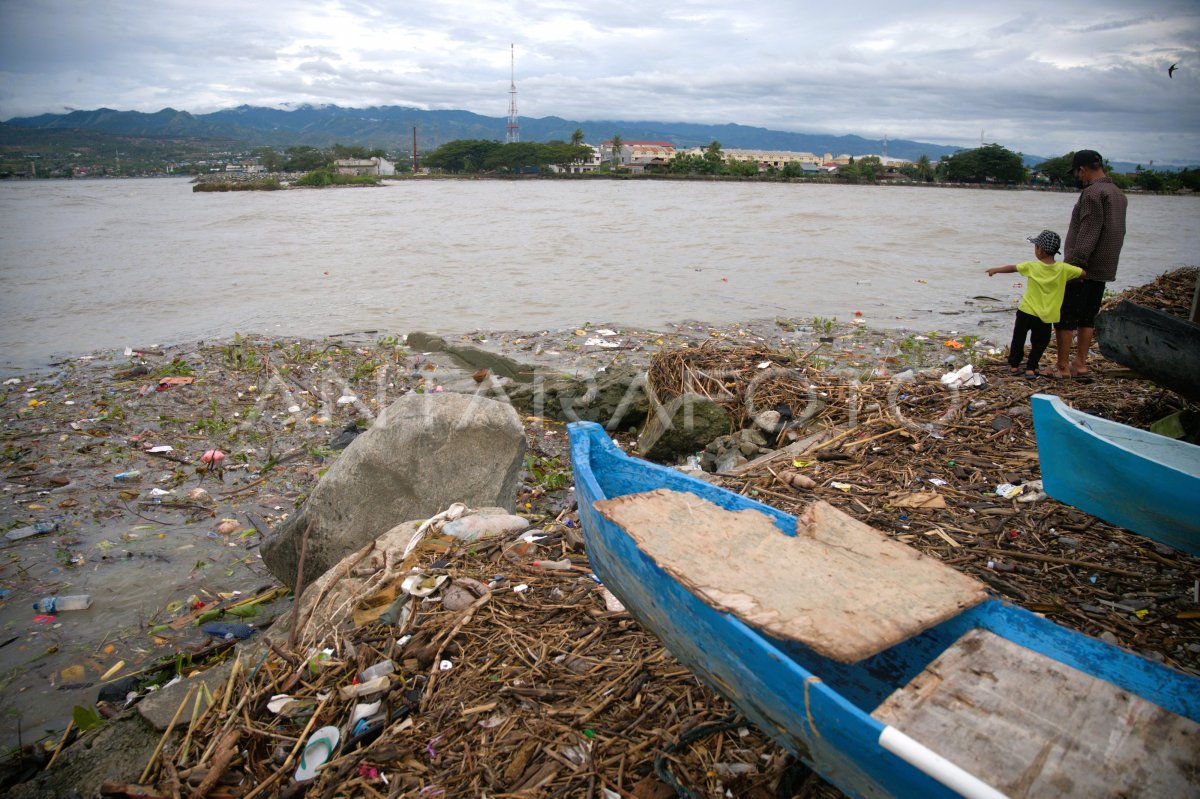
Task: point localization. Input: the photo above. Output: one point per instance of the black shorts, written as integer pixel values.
(1081, 303)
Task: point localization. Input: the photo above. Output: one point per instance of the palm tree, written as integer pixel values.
(924, 168)
(577, 137)
(617, 144)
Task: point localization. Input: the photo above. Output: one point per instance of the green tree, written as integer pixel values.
(577, 137)
(462, 155)
(303, 158)
(924, 169)
(515, 156)
(561, 154)
(744, 168)
(990, 163)
(270, 159)
(870, 167)
(714, 161)
(617, 144)
(686, 164)
(792, 169)
(1058, 170)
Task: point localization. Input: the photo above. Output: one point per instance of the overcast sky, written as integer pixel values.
(1040, 77)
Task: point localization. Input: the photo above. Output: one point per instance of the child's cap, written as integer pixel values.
(1048, 240)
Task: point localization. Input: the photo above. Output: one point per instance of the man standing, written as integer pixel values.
(1093, 243)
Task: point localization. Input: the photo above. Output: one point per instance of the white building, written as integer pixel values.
(365, 166)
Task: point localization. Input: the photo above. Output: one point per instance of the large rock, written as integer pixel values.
(616, 398)
(473, 358)
(424, 453)
(682, 427)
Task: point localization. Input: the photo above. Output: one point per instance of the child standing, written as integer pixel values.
(1045, 282)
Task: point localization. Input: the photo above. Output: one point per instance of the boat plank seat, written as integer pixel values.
(1031, 726)
(840, 587)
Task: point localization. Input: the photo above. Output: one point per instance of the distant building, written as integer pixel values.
(766, 159)
(365, 166)
(637, 155)
(589, 164)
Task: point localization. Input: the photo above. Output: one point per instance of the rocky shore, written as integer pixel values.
(114, 452)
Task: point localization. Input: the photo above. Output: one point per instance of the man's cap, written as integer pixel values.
(1086, 158)
(1048, 240)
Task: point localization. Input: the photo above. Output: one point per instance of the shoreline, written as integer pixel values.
(277, 405)
(977, 321)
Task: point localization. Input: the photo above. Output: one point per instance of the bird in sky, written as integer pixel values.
(1171, 70)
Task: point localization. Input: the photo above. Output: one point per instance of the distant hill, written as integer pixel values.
(391, 127)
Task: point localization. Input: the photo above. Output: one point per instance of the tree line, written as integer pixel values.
(987, 164)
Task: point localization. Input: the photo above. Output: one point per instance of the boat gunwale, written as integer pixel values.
(1173, 690)
(1185, 452)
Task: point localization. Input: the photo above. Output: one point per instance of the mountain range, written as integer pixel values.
(391, 128)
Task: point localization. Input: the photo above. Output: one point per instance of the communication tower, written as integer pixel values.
(513, 127)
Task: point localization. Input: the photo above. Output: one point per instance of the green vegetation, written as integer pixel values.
(824, 325)
(549, 474)
(1057, 171)
(176, 368)
(990, 163)
(485, 155)
(328, 176)
(263, 184)
(241, 355)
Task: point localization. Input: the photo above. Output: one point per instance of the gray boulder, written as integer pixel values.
(682, 427)
(424, 453)
(616, 398)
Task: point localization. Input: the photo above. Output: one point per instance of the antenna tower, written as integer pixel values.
(513, 127)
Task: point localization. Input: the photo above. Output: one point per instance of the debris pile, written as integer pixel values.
(513, 672)
(499, 665)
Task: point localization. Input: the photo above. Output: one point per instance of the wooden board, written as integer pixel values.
(1031, 726)
(838, 586)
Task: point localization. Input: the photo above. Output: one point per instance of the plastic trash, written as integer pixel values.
(962, 378)
(228, 631)
(556, 565)
(1008, 490)
(57, 604)
(37, 528)
(129, 476)
(380, 683)
(422, 585)
(473, 528)
(380, 669)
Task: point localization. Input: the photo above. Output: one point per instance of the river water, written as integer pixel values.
(89, 265)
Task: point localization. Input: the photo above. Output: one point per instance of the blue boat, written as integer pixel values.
(1147, 483)
(985, 699)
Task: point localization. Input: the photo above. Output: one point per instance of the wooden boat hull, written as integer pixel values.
(1147, 483)
(1162, 347)
(818, 709)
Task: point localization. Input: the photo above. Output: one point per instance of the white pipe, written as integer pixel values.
(925, 759)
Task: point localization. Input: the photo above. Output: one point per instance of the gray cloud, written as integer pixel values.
(1038, 79)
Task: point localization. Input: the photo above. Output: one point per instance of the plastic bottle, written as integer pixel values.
(37, 528)
(57, 604)
(378, 670)
(132, 474)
